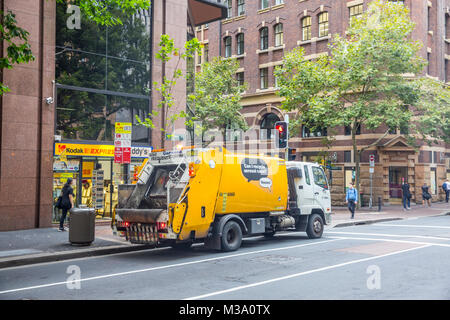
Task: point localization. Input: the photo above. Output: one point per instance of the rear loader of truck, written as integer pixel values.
(215, 197)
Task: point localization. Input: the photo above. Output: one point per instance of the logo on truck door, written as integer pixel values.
(256, 170)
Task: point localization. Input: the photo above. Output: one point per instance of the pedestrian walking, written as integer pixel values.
(352, 199)
(66, 202)
(446, 188)
(426, 196)
(406, 196)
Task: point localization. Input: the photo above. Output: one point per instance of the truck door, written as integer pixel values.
(305, 191)
(321, 190)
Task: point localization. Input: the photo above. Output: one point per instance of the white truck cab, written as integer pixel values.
(311, 189)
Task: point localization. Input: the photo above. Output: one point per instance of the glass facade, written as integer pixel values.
(102, 76)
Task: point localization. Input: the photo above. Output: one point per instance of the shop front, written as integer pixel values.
(95, 175)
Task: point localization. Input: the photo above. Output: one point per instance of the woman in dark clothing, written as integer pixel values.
(66, 201)
(426, 196)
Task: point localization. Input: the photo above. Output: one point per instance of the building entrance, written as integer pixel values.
(397, 175)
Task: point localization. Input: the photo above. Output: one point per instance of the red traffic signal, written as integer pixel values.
(281, 140)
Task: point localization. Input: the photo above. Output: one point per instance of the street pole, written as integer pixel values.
(371, 170)
(286, 152)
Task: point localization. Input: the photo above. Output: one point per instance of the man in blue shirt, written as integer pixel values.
(446, 187)
(352, 199)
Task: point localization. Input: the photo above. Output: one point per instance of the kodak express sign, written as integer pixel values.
(94, 150)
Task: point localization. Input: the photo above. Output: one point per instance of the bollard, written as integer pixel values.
(379, 204)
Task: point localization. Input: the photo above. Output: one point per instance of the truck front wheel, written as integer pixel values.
(315, 226)
(231, 236)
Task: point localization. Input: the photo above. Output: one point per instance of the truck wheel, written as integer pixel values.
(315, 226)
(231, 236)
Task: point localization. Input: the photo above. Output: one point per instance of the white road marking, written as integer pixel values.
(167, 266)
(394, 240)
(301, 274)
(388, 235)
(409, 226)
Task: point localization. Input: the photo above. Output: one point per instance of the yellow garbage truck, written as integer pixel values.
(218, 197)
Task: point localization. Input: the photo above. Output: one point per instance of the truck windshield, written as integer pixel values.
(319, 177)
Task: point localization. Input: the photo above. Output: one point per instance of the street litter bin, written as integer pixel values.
(82, 226)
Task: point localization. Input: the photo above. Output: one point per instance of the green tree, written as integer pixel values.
(167, 103)
(363, 81)
(18, 49)
(217, 95)
(104, 12)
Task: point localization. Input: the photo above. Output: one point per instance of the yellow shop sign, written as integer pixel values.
(71, 149)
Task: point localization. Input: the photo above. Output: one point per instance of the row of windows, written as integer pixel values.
(306, 27)
(278, 35)
(240, 6)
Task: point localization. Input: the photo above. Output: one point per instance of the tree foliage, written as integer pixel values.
(217, 95)
(167, 52)
(104, 12)
(369, 78)
(18, 49)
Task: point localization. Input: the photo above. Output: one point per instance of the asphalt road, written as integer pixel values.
(406, 259)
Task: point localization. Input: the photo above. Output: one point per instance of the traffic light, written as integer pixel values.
(291, 154)
(281, 134)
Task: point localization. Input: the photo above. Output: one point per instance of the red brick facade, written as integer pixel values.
(393, 155)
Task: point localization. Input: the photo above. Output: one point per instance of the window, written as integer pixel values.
(307, 175)
(267, 126)
(264, 4)
(264, 78)
(323, 24)
(428, 60)
(229, 8)
(275, 79)
(347, 156)
(402, 2)
(264, 38)
(278, 35)
(227, 41)
(240, 78)
(319, 177)
(356, 11)
(206, 52)
(311, 133)
(241, 7)
(240, 43)
(277, 2)
(306, 28)
(348, 130)
(93, 96)
(349, 177)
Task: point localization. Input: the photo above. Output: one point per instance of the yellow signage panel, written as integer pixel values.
(71, 149)
(123, 127)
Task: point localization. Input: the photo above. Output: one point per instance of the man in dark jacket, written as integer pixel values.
(406, 198)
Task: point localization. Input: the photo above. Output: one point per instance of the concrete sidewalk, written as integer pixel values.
(47, 244)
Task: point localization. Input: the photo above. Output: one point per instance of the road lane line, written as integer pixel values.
(301, 274)
(388, 235)
(409, 226)
(394, 240)
(166, 266)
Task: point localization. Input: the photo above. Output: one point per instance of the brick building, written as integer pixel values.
(259, 33)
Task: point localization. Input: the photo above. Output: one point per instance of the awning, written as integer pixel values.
(206, 11)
